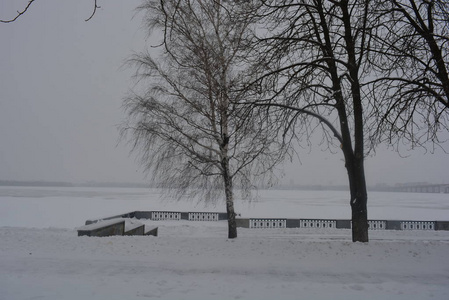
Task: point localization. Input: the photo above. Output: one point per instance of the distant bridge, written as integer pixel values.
(425, 188)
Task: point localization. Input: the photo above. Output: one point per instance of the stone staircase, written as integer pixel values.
(119, 226)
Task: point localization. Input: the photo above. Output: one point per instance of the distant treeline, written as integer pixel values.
(34, 183)
(376, 188)
(69, 184)
(382, 188)
(313, 187)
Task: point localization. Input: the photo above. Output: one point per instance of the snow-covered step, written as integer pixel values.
(103, 228)
(133, 228)
(151, 231)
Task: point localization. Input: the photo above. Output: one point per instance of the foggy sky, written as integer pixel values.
(62, 82)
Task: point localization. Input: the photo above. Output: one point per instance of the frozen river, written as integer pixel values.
(69, 207)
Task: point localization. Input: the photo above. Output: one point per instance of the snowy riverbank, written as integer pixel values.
(41, 256)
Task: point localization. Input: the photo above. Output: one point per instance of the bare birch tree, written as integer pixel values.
(184, 123)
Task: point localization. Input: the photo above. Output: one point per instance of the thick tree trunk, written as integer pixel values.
(358, 195)
(354, 162)
(359, 199)
(359, 220)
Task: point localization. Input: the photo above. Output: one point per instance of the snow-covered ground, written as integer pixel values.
(41, 256)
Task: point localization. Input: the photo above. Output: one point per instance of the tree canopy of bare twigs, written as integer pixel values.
(410, 51)
(184, 122)
(364, 72)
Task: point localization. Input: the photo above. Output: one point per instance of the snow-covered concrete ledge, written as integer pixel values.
(134, 228)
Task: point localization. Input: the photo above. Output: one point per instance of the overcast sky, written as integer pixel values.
(62, 82)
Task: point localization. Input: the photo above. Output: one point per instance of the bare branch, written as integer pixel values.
(94, 11)
(306, 112)
(19, 13)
